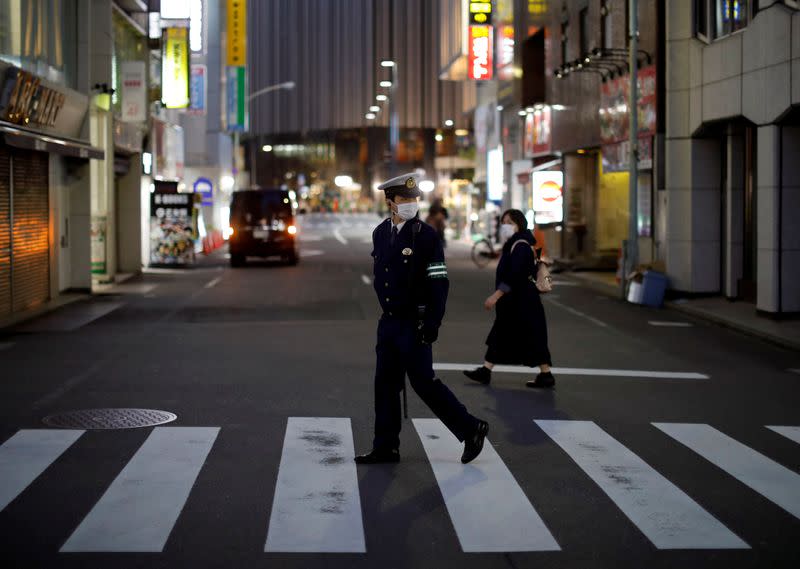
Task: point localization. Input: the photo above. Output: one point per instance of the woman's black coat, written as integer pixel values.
(519, 333)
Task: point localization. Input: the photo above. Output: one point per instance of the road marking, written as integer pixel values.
(26, 455)
(663, 513)
(770, 479)
(140, 508)
(579, 313)
(792, 433)
(339, 237)
(578, 371)
(792, 370)
(317, 508)
(310, 238)
(667, 324)
(311, 252)
(366, 280)
(214, 282)
(489, 510)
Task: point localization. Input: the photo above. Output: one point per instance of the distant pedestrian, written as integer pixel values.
(519, 333)
(437, 218)
(410, 279)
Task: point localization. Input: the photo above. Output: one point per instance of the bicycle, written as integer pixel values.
(483, 252)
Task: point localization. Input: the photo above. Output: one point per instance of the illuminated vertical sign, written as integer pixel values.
(175, 69)
(479, 63)
(480, 41)
(237, 33)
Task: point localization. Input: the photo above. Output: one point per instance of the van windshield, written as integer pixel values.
(260, 207)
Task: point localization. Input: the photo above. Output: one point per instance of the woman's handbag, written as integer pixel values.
(542, 279)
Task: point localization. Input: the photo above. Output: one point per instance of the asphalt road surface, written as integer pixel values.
(666, 443)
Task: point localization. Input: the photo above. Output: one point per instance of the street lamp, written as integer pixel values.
(374, 109)
(287, 86)
(385, 84)
(387, 63)
(381, 98)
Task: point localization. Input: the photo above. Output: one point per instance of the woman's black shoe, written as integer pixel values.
(480, 374)
(543, 380)
(474, 445)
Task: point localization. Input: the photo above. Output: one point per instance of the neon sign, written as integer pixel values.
(479, 64)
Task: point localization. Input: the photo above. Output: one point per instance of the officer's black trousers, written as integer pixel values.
(399, 353)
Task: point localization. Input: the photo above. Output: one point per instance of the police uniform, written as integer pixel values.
(410, 279)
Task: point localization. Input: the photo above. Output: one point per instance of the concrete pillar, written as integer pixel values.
(734, 214)
(778, 209)
(129, 211)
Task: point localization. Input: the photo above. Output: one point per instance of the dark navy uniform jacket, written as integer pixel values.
(410, 273)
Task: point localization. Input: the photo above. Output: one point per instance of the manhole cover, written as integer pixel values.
(109, 418)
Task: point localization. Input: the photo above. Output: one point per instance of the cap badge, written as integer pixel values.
(407, 252)
(410, 183)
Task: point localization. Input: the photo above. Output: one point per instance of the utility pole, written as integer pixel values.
(632, 243)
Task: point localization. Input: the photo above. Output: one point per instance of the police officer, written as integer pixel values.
(410, 279)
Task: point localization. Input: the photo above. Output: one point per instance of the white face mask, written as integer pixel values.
(507, 230)
(406, 211)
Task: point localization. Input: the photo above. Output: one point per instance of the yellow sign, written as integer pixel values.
(237, 32)
(175, 69)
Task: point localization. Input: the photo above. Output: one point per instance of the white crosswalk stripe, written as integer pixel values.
(143, 503)
(792, 433)
(770, 479)
(667, 516)
(317, 508)
(26, 455)
(489, 510)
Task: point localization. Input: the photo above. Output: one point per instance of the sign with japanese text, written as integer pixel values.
(235, 98)
(480, 13)
(237, 32)
(614, 99)
(538, 128)
(479, 59)
(171, 229)
(548, 197)
(133, 81)
(175, 68)
(197, 90)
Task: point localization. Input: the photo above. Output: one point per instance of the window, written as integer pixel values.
(716, 19)
(583, 28)
(605, 25)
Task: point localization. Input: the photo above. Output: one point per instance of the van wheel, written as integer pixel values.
(237, 260)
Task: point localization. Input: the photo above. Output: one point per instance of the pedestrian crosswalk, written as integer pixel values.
(316, 506)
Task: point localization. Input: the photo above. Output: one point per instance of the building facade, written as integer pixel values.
(732, 178)
(335, 122)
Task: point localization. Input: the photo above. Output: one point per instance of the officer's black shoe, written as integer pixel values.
(480, 374)
(474, 445)
(543, 380)
(379, 456)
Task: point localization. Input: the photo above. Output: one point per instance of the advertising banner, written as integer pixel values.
(235, 97)
(479, 58)
(237, 33)
(168, 151)
(171, 240)
(614, 99)
(98, 234)
(134, 91)
(548, 197)
(538, 140)
(197, 89)
(175, 68)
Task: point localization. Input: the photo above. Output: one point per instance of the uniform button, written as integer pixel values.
(390, 313)
(387, 299)
(387, 270)
(385, 284)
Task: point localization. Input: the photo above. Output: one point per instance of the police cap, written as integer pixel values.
(406, 185)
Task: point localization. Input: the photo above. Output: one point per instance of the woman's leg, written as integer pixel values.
(488, 365)
(544, 368)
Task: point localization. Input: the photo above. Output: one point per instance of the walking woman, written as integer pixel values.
(519, 333)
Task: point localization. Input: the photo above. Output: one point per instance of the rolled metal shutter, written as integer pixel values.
(30, 271)
(5, 232)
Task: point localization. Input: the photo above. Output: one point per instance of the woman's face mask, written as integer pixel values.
(507, 230)
(406, 211)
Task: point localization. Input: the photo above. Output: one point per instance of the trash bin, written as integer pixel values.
(635, 292)
(654, 285)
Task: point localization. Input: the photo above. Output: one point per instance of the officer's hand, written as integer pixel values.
(428, 334)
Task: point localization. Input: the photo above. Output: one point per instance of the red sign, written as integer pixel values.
(537, 133)
(614, 98)
(479, 64)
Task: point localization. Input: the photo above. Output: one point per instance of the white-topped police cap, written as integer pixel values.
(406, 185)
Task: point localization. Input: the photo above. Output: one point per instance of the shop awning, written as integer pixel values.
(29, 140)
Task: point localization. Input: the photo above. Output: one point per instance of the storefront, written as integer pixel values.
(44, 181)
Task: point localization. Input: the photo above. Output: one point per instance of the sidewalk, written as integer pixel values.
(739, 316)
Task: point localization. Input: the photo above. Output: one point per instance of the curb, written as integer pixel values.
(781, 341)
